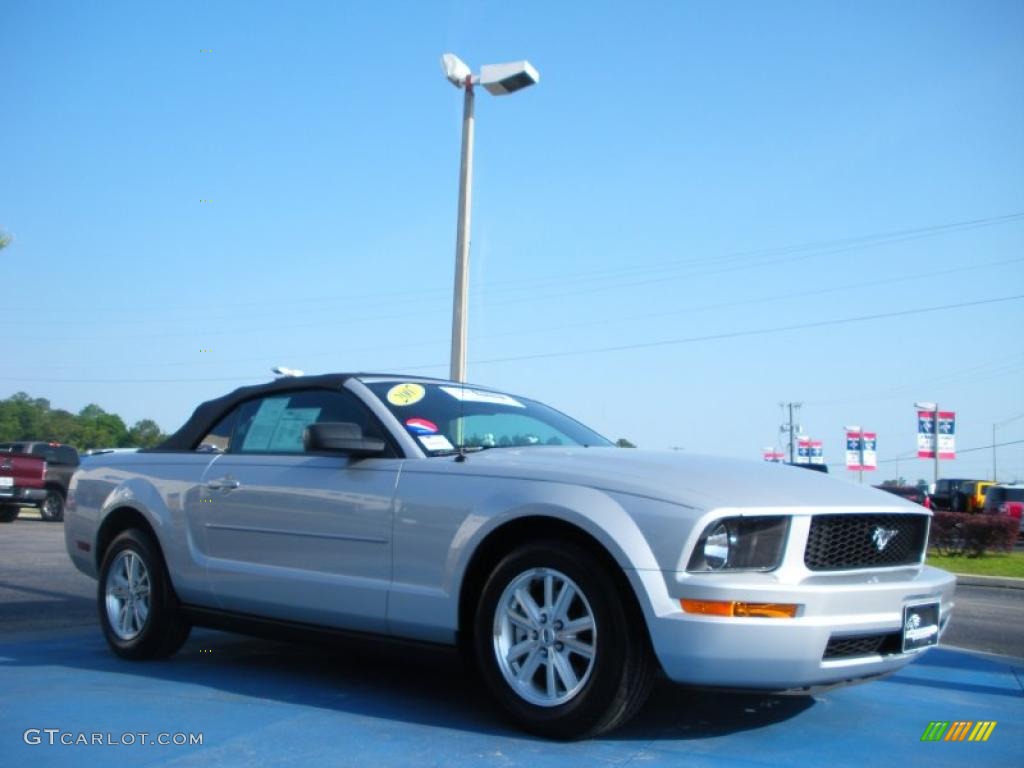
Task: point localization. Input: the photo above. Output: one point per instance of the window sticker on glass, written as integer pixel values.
(406, 394)
(421, 426)
(436, 443)
(478, 396)
(264, 422)
(288, 434)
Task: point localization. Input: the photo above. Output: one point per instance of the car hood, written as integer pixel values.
(702, 482)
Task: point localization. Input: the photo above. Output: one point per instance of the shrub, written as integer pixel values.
(959, 533)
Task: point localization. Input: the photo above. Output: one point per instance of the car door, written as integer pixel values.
(296, 536)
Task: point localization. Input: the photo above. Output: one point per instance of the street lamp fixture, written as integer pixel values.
(499, 80)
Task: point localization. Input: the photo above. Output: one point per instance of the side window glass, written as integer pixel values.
(275, 424)
(46, 451)
(66, 456)
(218, 438)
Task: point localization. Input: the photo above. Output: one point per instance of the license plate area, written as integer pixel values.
(920, 626)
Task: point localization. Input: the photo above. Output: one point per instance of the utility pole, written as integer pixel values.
(791, 427)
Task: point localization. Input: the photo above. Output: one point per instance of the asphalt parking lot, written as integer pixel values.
(258, 702)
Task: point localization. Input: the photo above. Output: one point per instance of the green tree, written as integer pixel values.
(23, 417)
(145, 434)
(624, 443)
(99, 429)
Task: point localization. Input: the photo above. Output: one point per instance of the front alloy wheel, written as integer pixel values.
(560, 642)
(545, 638)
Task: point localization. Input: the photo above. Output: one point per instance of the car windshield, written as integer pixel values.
(443, 417)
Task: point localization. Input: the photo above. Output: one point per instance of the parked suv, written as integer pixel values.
(972, 495)
(61, 463)
(947, 494)
(1006, 500)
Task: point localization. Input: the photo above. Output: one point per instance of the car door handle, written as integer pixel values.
(223, 484)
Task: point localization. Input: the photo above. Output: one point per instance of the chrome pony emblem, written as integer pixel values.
(882, 537)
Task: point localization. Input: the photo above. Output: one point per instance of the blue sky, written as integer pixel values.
(683, 170)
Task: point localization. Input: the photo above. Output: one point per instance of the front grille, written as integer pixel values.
(841, 542)
(863, 645)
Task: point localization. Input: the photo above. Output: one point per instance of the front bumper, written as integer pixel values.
(22, 496)
(784, 654)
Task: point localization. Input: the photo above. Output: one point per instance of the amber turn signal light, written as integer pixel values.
(740, 609)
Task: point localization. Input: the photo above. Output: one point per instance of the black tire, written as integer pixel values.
(8, 513)
(52, 507)
(163, 630)
(613, 685)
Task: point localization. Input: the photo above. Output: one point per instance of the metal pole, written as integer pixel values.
(460, 308)
(993, 453)
(860, 442)
(791, 459)
(935, 430)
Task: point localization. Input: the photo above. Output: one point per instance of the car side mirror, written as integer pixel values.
(341, 437)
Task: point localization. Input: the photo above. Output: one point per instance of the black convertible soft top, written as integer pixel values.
(206, 416)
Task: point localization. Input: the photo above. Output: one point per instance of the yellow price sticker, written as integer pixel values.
(406, 394)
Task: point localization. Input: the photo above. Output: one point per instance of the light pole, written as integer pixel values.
(498, 79)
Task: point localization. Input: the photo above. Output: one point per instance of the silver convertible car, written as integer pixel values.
(568, 570)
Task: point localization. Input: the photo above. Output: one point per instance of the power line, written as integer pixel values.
(912, 454)
(617, 348)
(292, 354)
(989, 447)
(791, 253)
(752, 332)
(961, 374)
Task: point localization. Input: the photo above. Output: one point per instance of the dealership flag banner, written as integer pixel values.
(774, 455)
(803, 451)
(853, 457)
(809, 451)
(817, 453)
(869, 450)
(861, 450)
(926, 434)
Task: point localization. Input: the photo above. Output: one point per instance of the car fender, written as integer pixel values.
(597, 513)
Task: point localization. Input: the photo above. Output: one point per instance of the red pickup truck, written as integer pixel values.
(22, 481)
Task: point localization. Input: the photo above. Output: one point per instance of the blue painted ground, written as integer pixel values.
(265, 703)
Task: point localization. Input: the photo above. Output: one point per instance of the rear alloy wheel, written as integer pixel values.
(558, 645)
(52, 508)
(137, 606)
(8, 513)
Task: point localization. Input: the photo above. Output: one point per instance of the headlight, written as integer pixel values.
(716, 547)
(740, 544)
